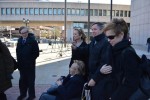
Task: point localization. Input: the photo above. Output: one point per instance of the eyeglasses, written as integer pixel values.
(24, 32)
(111, 37)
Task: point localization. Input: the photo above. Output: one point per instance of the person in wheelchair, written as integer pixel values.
(69, 87)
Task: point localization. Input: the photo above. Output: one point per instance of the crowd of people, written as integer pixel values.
(107, 64)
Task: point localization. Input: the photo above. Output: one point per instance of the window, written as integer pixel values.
(50, 11)
(22, 12)
(113, 12)
(3, 11)
(55, 11)
(129, 14)
(59, 11)
(100, 12)
(77, 11)
(68, 11)
(13, 11)
(45, 11)
(36, 11)
(7, 11)
(78, 25)
(108, 13)
(95, 12)
(86, 12)
(82, 12)
(31, 10)
(125, 13)
(117, 13)
(91, 12)
(63, 11)
(73, 12)
(26, 11)
(104, 12)
(17, 11)
(41, 11)
(121, 13)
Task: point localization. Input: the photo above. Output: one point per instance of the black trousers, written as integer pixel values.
(27, 82)
(3, 96)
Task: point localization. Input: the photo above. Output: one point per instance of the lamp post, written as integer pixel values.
(26, 21)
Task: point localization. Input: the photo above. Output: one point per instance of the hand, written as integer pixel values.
(59, 82)
(106, 69)
(91, 83)
(74, 45)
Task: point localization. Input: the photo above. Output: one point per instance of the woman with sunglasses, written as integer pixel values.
(125, 73)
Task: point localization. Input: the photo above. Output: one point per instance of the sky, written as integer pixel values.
(125, 2)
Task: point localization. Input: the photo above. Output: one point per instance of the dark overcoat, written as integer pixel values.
(125, 71)
(6, 68)
(27, 53)
(77, 56)
(98, 52)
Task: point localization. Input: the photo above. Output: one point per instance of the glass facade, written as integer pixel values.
(60, 11)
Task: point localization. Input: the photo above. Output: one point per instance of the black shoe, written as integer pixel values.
(30, 98)
(21, 97)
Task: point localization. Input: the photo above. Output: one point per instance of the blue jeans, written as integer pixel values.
(46, 96)
(52, 89)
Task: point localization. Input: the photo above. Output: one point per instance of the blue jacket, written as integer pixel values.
(71, 88)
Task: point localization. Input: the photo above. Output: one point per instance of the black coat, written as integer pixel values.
(125, 71)
(27, 53)
(98, 54)
(71, 88)
(77, 56)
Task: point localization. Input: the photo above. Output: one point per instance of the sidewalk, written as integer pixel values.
(49, 67)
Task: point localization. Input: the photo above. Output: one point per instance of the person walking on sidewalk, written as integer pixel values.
(148, 43)
(27, 51)
(6, 69)
(125, 73)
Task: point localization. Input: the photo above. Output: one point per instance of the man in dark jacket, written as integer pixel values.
(148, 43)
(27, 51)
(98, 53)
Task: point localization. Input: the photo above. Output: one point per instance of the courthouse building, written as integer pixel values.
(51, 14)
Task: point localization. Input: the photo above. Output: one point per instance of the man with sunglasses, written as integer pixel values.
(27, 51)
(98, 52)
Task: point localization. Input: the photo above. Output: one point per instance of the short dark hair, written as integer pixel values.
(99, 24)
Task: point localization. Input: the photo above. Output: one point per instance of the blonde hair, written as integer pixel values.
(81, 66)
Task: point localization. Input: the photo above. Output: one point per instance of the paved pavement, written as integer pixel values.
(50, 65)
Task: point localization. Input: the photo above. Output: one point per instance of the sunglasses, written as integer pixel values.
(111, 37)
